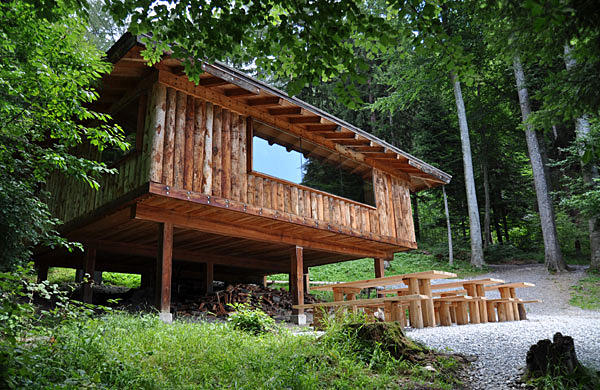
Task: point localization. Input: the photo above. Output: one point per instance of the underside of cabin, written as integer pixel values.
(187, 203)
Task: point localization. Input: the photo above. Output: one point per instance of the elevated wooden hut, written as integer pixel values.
(187, 204)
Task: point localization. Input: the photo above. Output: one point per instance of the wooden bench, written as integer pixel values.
(392, 307)
(512, 309)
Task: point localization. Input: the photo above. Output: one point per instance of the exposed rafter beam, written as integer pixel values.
(278, 111)
(264, 101)
(305, 119)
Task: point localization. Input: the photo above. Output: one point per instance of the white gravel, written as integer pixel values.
(501, 347)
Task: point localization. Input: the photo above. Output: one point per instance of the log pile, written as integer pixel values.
(277, 303)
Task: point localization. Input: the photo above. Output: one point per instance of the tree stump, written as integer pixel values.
(390, 337)
(555, 357)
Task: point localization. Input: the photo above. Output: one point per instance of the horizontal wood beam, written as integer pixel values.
(236, 92)
(129, 248)
(278, 111)
(231, 79)
(324, 127)
(304, 119)
(149, 213)
(212, 81)
(264, 101)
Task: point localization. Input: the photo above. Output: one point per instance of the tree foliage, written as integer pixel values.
(47, 71)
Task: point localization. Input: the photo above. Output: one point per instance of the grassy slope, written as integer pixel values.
(403, 263)
(127, 351)
(586, 293)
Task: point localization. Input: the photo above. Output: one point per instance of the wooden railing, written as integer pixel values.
(281, 195)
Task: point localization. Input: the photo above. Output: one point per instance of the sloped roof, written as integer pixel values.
(289, 113)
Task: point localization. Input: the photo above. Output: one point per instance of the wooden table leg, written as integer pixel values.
(445, 317)
(473, 305)
(513, 294)
(414, 309)
(453, 313)
(508, 307)
(461, 313)
(491, 311)
(428, 310)
(482, 304)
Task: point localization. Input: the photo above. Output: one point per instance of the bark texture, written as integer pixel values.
(450, 249)
(474, 224)
(589, 173)
(553, 255)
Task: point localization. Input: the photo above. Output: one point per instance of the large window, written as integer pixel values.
(286, 156)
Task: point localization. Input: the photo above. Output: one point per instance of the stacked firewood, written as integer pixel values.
(276, 303)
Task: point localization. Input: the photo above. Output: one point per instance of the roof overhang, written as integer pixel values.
(298, 116)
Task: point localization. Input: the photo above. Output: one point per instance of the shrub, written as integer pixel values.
(250, 319)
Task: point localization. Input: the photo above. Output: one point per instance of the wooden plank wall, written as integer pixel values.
(394, 208)
(194, 145)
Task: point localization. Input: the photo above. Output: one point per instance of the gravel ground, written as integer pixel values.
(501, 347)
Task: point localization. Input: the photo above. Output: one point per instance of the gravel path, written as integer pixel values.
(501, 347)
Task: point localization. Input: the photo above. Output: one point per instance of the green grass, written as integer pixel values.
(403, 263)
(65, 275)
(120, 351)
(586, 293)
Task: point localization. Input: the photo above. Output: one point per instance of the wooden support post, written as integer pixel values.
(453, 313)
(209, 278)
(164, 270)
(297, 285)
(428, 310)
(379, 270)
(522, 312)
(306, 281)
(445, 317)
(461, 313)
(264, 281)
(42, 272)
(502, 312)
(491, 311)
(482, 303)
(414, 309)
(90, 265)
(473, 305)
(508, 307)
(515, 306)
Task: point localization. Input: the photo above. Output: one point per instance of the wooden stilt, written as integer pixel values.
(209, 278)
(90, 265)
(306, 281)
(164, 270)
(297, 285)
(379, 268)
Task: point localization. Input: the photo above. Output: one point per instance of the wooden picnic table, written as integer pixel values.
(510, 309)
(474, 288)
(417, 282)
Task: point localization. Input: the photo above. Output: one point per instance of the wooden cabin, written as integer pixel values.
(187, 204)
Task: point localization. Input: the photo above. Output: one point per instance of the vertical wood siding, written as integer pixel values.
(194, 145)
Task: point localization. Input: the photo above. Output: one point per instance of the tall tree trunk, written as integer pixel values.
(505, 225)
(553, 254)
(415, 199)
(450, 250)
(474, 224)
(487, 234)
(497, 226)
(589, 173)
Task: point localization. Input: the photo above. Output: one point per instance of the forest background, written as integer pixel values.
(504, 96)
